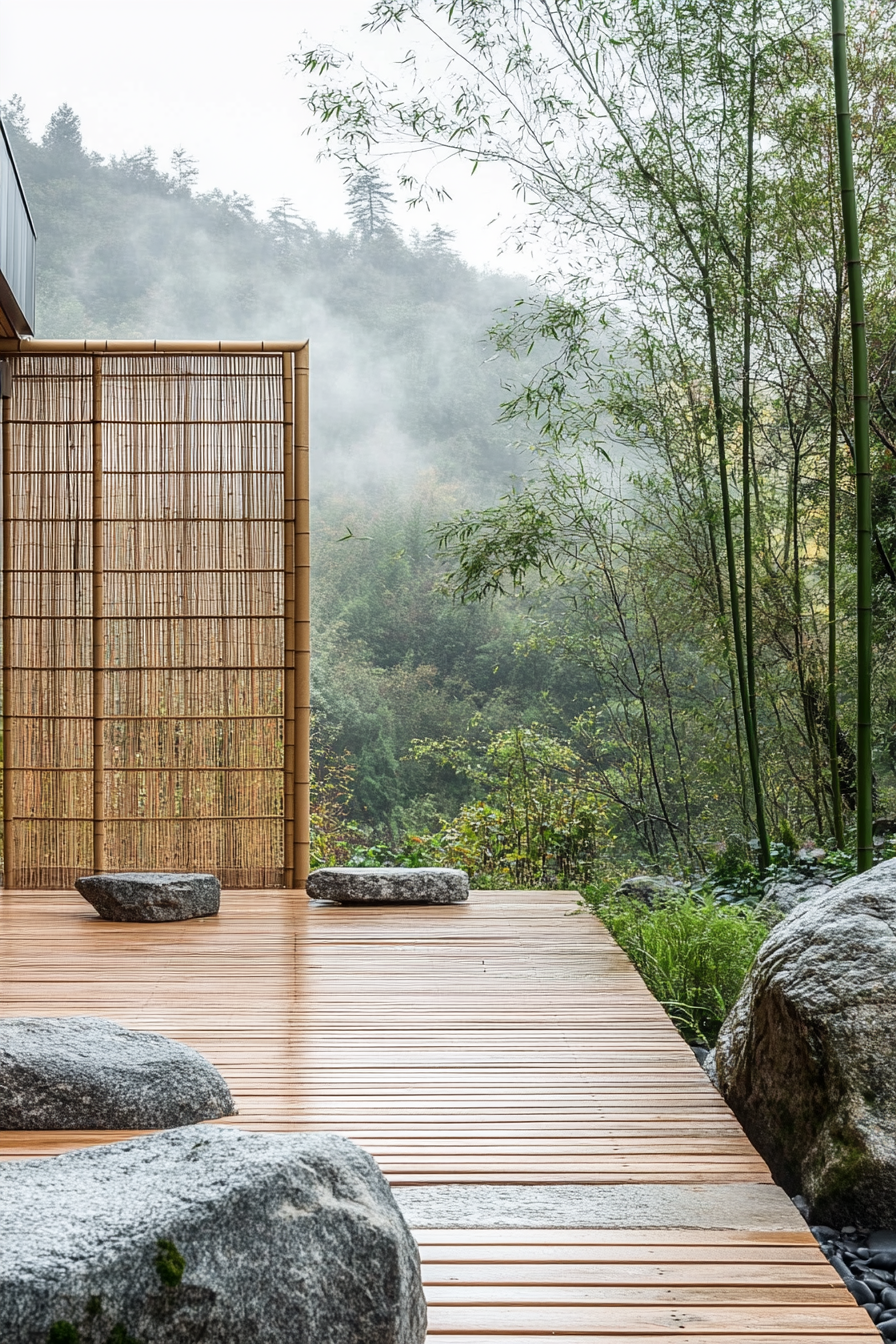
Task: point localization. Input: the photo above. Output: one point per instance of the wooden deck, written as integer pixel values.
(507, 1041)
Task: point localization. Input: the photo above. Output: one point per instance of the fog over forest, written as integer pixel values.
(405, 398)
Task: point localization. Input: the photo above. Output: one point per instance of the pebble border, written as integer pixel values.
(866, 1262)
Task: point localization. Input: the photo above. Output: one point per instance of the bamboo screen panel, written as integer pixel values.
(148, 574)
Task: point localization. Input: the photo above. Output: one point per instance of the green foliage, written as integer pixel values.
(63, 1332)
(415, 851)
(692, 953)
(169, 1263)
(536, 820)
(687, 213)
(396, 660)
(332, 776)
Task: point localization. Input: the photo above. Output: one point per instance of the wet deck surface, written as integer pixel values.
(505, 1042)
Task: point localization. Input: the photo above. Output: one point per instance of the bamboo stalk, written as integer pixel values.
(833, 452)
(864, 764)
(99, 629)
(302, 627)
(747, 390)
(733, 596)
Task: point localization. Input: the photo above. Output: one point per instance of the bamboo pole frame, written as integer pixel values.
(98, 628)
(109, 452)
(289, 622)
(10, 346)
(8, 865)
(302, 807)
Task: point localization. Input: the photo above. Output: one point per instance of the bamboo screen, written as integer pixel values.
(155, 614)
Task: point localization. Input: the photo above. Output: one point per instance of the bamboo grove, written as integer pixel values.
(688, 532)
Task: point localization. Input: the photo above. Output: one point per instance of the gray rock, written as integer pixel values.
(801, 1204)
(647, 889)
(151, 898)
(805, 1057)
(406, 886)
(87, 1073)
(786, 895)
(709, 1068)
(208, 1234)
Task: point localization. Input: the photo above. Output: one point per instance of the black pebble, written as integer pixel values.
(860, 1291)
(888, 1297)
(823, 1233)
(873, 1311)
(887, 1328)
(840, 1267)
(884, 1260)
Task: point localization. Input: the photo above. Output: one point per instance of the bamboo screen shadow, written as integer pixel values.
(155, 612)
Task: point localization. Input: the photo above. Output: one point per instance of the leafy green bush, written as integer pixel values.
(692, 953)
(415, 851)
(538, 820)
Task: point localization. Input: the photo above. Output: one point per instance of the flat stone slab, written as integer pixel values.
(743, 1206)
(208, 1234)
(392, 886)
(88, 1073)
(151, 898)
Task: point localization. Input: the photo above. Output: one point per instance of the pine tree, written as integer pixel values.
(438, 241)
(286, 225)
(184, 171)
(14, 117)
(369, 200)
(63, 130)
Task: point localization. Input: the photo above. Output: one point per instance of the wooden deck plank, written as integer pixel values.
(327, 1018)
(506, 1041)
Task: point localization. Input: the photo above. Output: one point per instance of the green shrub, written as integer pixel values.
(415, 851)
(692, 953)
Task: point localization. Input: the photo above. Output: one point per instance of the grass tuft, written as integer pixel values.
(692, 954)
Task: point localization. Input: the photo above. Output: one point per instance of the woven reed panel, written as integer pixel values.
(191, 460)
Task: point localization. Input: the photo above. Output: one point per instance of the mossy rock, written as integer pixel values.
(804, 1057)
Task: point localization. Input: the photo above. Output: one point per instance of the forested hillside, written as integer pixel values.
(731, 601)
(405, 400)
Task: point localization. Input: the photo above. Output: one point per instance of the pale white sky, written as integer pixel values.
(214, 76)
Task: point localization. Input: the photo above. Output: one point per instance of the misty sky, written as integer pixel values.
(214, 76)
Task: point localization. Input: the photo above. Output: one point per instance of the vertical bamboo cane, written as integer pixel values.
(289, 629)
(861, 430)
(8, 864)
(99, 633)
(302, 806)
